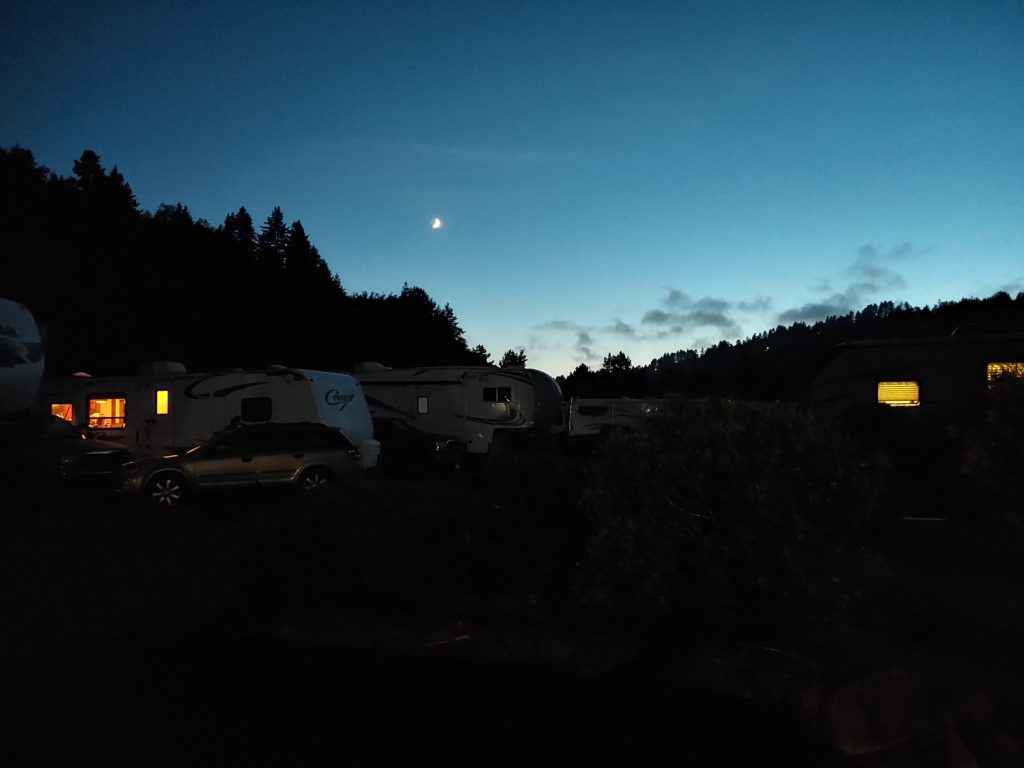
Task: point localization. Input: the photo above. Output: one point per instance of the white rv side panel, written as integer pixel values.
(470, 404)
(200, 404)
(21, 358)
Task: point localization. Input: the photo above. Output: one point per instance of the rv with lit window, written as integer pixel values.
(21, 358)
(915, 395)
(598, 416)
(166, 409)
(929, 375)
(478, 408)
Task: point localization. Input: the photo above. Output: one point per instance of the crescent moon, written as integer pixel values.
(436, 224)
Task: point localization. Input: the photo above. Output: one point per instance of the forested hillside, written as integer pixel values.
(779, 364)
(114, 286)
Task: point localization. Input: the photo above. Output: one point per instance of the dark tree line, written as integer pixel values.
(779, 364)
(114, 286)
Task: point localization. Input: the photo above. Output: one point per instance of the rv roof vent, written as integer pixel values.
(370, 366)
(163, 366)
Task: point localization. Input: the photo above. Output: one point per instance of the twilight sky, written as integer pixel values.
(636, 176)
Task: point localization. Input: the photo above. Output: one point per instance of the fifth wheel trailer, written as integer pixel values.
(21, 358)
(478, 407)
(168, 409)
(597, 416)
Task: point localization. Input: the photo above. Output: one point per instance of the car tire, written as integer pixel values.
(166, 490)
(315, 480)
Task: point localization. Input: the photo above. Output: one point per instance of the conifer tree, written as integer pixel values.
(239, 227)
(272, 242)
(513, 359)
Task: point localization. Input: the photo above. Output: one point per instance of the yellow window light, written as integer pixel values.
(998, 370)
(64, 411)
(163, 402)
(899, 394)
(107, 413)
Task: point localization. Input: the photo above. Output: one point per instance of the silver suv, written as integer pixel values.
(307, 456)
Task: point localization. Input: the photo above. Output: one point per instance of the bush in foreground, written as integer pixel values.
(728, 514)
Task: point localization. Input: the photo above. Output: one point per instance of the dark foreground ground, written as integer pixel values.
(418, 616)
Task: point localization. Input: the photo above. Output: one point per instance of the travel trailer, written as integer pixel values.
(597, 416)
(166, 409)
(21, 358)
(479, 408)
(920, 400)
(944, 378)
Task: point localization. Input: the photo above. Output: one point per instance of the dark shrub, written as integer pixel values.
(728, 512)
(995, 458)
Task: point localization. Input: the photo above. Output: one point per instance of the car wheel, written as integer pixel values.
(166, 491)
(314, 480)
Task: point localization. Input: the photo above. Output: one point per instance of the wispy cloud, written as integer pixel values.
(1013, 288)
(622, 329)
(870, 276)
(684, 314)
(584, 343)
(757, 304)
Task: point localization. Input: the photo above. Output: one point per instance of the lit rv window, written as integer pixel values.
(998, 370)
(107, 412)
(899, 393)
(422, 404)
(497, 394)
(63, 410)
(163, 402)
(257, 409)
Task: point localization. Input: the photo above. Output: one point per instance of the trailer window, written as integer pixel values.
(422, 404)
(593, 410)
(257, 409)
(163, 402)
(497, 394)
(899, 394)
(1000, 370)
(107, 412)
(64, 411)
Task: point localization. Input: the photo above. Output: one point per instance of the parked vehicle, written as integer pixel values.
(21, 358)
(597, 416)
(480, 407)
(305, 455)
(168, 410)
(38, 454)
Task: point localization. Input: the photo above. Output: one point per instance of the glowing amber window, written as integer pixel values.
(163, 402)
(64, 411)
(997, 370)
(106, 412)
(899, 394)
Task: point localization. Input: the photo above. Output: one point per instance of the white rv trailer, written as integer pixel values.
(168, 409)
(476, 406)
(21, 358)
(597, 416)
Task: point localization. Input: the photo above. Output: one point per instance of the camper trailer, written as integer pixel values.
(936, 378)
(923, 398)
(597, 416)
(479, 408)
(21, 358)
(166, 408)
